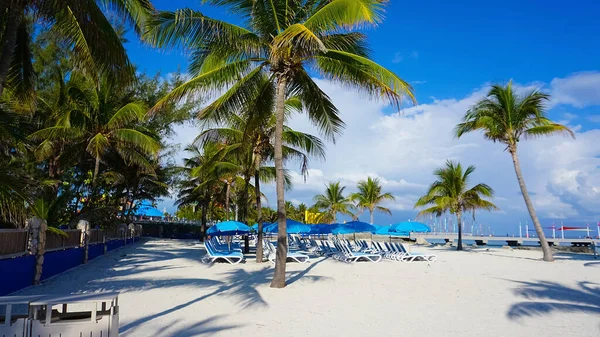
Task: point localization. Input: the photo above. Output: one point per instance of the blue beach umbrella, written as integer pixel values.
(292, 226)
(354, 227)
(228, 228)
(406, 227)
(321, 229)
(146, 209)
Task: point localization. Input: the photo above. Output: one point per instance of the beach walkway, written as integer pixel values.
(167, 292)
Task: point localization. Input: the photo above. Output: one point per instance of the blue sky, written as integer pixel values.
(451, 51)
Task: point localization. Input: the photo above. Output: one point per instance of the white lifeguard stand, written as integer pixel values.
(93, 315)
(14, 311)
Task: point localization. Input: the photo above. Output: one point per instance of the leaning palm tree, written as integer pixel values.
(96, 46)
(285, 40)
(450, 193)
(369, 197)
(506, 117)
(334, 201)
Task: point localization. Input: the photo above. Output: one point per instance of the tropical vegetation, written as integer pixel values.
(282, 41)
(451, 193)
(506, 117)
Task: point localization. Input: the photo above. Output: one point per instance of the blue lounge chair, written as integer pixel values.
(294, 256)
(212, 255)
(411, 257)
(347, 255)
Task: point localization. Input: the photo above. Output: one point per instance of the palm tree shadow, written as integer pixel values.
(238, 284)
(545, 297)
(206, 326)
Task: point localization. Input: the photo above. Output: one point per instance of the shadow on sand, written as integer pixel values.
(127, 270)
(238, 284)
(544, 298)
(206, 326)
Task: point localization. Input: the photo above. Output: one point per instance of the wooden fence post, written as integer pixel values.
(37, 243)
(84, 227)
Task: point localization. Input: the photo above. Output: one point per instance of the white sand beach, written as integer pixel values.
(166, 291)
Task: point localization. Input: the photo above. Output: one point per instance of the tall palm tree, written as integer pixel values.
(506, 117)
(99, 119)
(96, 45)
(250, 137)
(369, 196)
(334, 201)
(451, 193)
(284, 40)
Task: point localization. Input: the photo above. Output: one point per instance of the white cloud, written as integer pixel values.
(404, 148)
(579, 89)
(594, 118)
(397, 57)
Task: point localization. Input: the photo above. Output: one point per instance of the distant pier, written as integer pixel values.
(510, 240)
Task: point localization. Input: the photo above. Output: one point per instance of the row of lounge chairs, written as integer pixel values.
(346, 251)
(342, 250)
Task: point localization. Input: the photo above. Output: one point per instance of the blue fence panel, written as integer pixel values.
(129, 241)
(114, 244)
(95, 250)
(61, 260)
(17, 273)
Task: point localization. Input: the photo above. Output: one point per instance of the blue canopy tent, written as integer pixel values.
(146, 209)
(353, 227)
(406, 227)
(292, 226)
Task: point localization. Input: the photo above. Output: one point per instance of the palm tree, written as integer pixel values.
(450, 193)
(333, 201)
(250, 138)
(506, 117)
(282, 40)
(201, 183)
(96, 45)
(369, 196)
(100, 120)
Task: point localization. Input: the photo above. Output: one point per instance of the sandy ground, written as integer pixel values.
(166, 291)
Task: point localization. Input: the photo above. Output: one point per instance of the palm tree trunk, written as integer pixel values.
(536, 222)
(203, 221)
(227, 193)
(243, 201)
(9, 38)
(372, 220)
(281, 255)
(259, 244)
(96, 171)
(459, 222)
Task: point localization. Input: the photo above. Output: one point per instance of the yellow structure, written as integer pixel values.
(311, 218)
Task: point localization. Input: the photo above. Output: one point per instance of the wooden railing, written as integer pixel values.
(13, 242)
(96, 235)
(55, 241)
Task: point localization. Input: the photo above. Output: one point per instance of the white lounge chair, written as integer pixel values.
(411, 257)
(212, 255)
(347, 255)
(294, 256)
